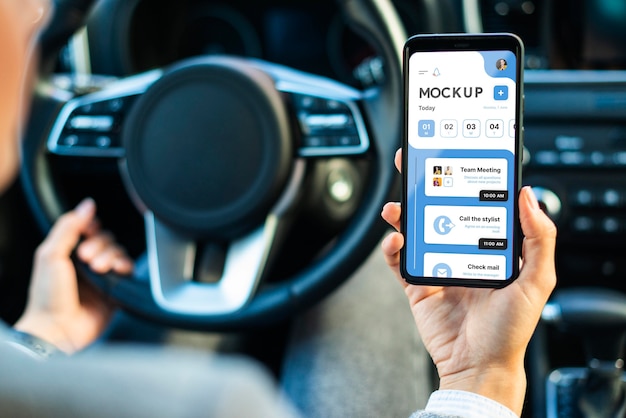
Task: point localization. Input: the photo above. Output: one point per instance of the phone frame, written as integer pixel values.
(466, 42)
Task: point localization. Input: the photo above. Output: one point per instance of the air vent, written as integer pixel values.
(521, 17)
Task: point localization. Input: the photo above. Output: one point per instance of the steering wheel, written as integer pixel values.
(177, 134)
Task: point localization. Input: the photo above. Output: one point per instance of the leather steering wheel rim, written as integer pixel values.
(279, 301)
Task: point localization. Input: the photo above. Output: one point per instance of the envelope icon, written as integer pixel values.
(442, 272)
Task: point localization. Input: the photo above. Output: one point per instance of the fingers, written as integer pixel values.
(102, 254)
(94, 245)
(99, 249)
(393, 242)
(391, 214)
(67, 231)
(398, 159)
(391, 246)
(539, 244)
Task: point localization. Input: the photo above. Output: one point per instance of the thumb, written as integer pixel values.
(67, 230)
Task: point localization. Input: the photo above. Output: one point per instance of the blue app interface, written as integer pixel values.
(461, 164)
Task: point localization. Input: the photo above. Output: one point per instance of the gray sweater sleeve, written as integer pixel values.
(426, 414)
(137, 381)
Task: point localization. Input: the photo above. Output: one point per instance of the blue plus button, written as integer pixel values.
(500, 92)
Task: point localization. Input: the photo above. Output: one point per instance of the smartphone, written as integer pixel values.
(461, 159)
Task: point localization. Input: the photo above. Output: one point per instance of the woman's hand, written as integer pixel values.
(478, 337)
(61, 309)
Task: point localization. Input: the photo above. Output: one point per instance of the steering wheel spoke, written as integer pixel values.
(329, 126)
(91, 125)
(172, 259)
(330, 122)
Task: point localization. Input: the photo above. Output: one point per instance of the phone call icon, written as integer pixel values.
(443, 225)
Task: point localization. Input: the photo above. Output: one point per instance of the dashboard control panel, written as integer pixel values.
(576, 162)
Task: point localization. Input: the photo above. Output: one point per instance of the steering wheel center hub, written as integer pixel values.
(208, 148)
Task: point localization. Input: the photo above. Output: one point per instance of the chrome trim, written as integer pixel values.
(294, 185)
(80, 58)
(472, 19)
(393, 24)
(171, 258)
(118, 89)
(47, 88)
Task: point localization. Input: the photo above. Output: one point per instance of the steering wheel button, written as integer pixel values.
(115, 105)
(611, 225)
(69, 140)
(85, 109)
(307, 102)
(103, 141)
(583, 224)
(92, 108)
(583, 198)
(335, 105)
(92, 123)
(315, 141)
(347, 141)
(304, 102)
(611, 197)
(317, 122)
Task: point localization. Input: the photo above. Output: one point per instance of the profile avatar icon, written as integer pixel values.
(501, 64)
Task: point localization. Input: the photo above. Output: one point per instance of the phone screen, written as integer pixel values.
(460, 159)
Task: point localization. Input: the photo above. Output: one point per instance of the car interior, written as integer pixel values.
(242, 152)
